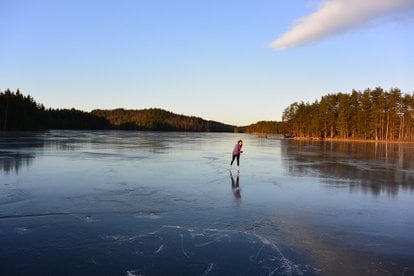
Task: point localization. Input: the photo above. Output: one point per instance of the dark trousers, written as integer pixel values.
(234, 157)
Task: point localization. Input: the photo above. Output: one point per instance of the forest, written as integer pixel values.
(19, 112)
(266, 127)
(159, 119)
(373, 114)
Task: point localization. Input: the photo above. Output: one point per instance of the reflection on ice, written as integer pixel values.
(235, 186)
(368, 167)
(13, 161)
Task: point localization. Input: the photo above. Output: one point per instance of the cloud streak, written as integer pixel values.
(336, 16)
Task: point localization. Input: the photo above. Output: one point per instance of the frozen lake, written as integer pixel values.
(164, 203)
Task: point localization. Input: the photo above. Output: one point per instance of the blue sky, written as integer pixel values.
(236, 62)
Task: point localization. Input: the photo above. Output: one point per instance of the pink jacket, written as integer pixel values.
(237, 149)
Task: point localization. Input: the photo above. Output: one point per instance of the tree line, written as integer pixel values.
(266, 127)
(373, 114)
(159, 119)
(19, 112)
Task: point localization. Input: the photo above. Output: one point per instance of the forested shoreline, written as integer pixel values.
(19, 112)
(369, 115)
(267, 127)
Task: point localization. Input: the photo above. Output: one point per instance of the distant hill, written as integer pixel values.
(159, 119)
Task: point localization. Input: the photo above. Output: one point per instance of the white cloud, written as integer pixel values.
(335, 16)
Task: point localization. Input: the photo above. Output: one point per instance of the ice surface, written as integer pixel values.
(157, 203)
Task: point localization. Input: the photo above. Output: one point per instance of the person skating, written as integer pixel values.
(236, 154)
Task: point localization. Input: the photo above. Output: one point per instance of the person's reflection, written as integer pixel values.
(235, 186)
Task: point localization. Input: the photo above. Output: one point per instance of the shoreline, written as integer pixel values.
(351, 140)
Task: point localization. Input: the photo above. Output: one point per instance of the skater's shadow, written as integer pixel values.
(235, 187)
